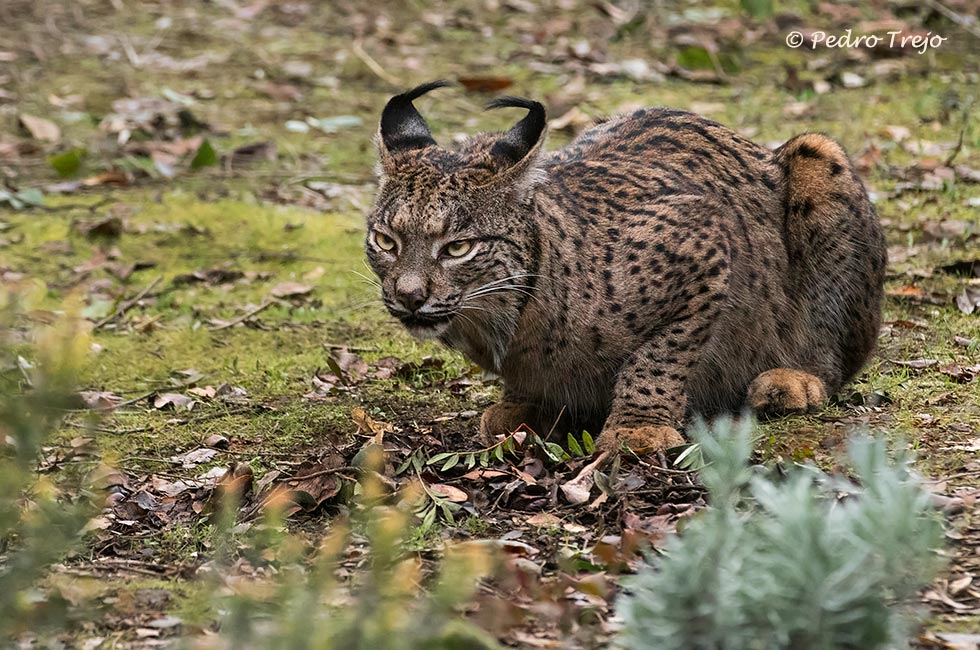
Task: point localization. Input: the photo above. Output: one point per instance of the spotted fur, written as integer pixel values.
(659, 265)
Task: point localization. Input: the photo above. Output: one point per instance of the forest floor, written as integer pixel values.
(192, 178)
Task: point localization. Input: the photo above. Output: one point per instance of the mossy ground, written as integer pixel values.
(258, 220)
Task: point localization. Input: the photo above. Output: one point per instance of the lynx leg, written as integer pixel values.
(783, 390)
(504, 418)
(649, 399)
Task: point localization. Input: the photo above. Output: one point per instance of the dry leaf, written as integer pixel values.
(544, 520)
(40, 128)
(194, 458)
(454, 494)
(174, 401)
(577, 490)
(486, 84)
(365, 423)
(291, 289)
(969, 301)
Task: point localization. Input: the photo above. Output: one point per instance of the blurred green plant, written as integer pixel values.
(390, 605)
(805, 562)
(39, 520)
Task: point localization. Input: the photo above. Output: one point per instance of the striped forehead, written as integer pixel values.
(428, 219)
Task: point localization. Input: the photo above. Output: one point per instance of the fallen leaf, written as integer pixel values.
(485, 84)
(209, 276)
(99, 399)
(917, 363)
(40, 128)
(217, 441)
(208, 392)
(365, 423)
(194, 458)
(577, 490)
(544, 520)
(454, 494)
(173, 401)
(291, 289)
(969, 301)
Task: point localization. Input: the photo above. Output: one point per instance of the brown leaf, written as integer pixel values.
(959, 373)
(573, 119)
(314, 484)
(236, 482)
(217, 441)
(543, 520)
(208, 392)
(281, 92)
(869, 159)
(486, 84)
(917, 363)
(365, 423)
(577, 490)
(173, 401)
(251, 153)
(454, 494)
(99, 399)
(291, 290)
(40, 128)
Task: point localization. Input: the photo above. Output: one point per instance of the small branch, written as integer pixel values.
(244, 317)
(963, 21)
(959, 143)
(126, 305)
(91, 207)
(374, 66)
(322, 472)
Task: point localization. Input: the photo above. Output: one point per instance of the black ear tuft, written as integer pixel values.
(517, 142)
(401, 125)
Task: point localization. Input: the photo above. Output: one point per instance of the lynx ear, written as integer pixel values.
(524, 137)
(402, 127)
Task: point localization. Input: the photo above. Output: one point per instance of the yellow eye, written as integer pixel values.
(384, 242)
(458, 248)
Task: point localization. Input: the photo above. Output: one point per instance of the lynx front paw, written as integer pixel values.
(783, 390)
(504, 418)
(641, 440)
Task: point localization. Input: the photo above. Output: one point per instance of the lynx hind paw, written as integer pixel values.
(640, 440)
(784, 390)
(502, 419)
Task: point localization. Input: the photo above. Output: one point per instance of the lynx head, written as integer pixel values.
(452, 234)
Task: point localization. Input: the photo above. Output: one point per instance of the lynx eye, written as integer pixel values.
(384, 242)
(458, 248)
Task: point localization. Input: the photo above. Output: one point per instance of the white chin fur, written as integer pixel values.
(428, 332)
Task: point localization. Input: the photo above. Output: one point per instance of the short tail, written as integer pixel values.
(836, 251)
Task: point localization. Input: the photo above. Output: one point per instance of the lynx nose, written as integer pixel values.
(412, 300)
(410, 292)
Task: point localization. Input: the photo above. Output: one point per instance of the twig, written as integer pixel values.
(91, 207)
(374, 66)
(89, 427)
(244, 317)
(959, 19)
(350, 348)
(959, 142)
(322, 472)
(126, 305)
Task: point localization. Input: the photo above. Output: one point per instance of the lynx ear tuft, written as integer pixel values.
(402, 127)
(524, 136)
